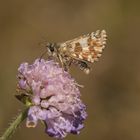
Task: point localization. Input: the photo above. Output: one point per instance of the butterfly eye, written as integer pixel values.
(51, 48)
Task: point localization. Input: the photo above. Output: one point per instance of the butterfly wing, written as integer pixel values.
(87, 47)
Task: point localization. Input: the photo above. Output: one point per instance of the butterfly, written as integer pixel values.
(81, 51)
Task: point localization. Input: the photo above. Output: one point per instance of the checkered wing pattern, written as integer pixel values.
(87, 47)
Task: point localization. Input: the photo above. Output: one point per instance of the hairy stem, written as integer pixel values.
(14, 125)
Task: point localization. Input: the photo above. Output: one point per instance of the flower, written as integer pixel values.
(52, 96)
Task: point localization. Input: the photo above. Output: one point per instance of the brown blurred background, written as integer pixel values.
(111, 92)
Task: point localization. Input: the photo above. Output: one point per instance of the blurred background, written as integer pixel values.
(112, 90)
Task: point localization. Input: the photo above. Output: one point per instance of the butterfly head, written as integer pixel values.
(51, 48)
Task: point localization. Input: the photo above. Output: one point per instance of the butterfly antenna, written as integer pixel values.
(43, 54)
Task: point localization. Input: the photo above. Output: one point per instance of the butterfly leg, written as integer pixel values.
(63, 63)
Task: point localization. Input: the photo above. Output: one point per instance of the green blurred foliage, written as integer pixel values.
(111, 92)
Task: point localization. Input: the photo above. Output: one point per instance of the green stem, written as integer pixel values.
(14, 125)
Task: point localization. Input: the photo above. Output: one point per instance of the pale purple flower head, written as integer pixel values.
(53, 96)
